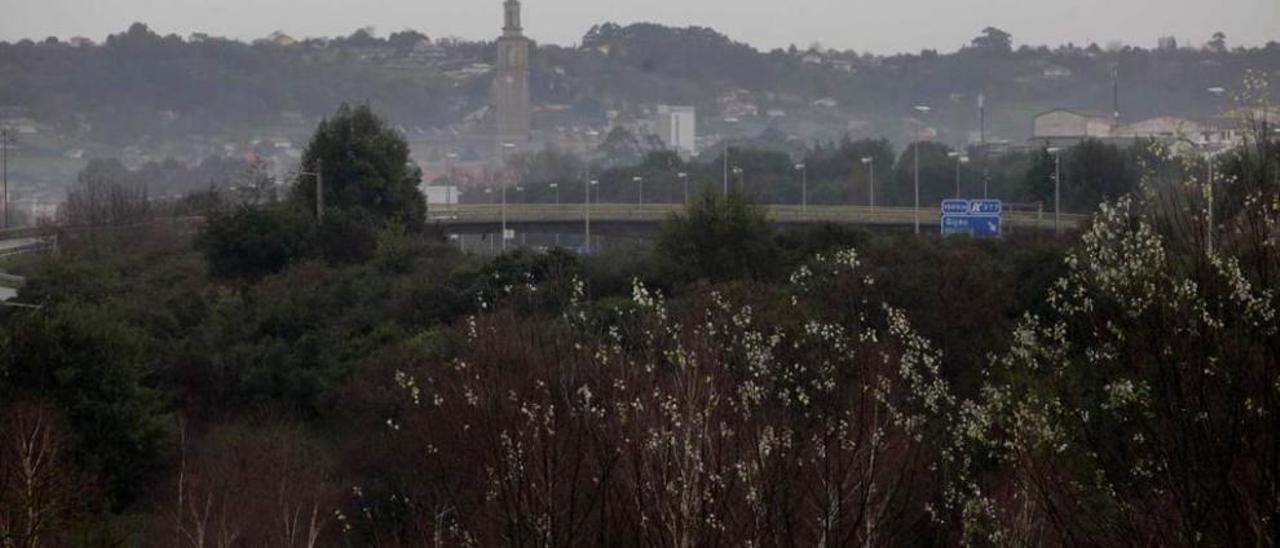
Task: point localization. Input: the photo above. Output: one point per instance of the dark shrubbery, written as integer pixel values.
(718, 240)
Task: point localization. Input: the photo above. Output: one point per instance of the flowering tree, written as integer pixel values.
(1145, 407)
(739, 417)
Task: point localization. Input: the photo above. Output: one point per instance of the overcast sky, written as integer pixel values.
(880, 26)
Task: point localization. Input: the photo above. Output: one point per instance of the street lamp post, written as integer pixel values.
(556, 188)
(1208, 229)
(960, 160)
(726, 156)
(922, 110)
(956, 156)
(587, 216)
(489, 191)
(804, 187)
(1057, 189)
(1208, 159)
(870, 162)
(640, 196)
(505, 148)
(448, 189)
(684, 178)
(4, 159)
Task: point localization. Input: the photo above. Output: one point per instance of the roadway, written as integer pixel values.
(18, 246)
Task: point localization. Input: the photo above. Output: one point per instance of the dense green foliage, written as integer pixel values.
(98, 373)
(369, 187)
(365, 166)
(719, 239)
(251, 242)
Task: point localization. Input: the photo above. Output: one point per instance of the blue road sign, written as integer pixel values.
(986, 207)
(977, 218)
(976, 226)
(955, 207)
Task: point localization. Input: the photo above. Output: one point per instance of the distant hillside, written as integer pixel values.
(156, 96)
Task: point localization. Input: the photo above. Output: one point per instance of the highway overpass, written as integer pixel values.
(633, 219)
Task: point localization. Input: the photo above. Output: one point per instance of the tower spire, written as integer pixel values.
(511, 27)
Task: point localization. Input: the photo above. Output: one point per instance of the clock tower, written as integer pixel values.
(511, 81)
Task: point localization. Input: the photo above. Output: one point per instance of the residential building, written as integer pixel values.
(1066, 127)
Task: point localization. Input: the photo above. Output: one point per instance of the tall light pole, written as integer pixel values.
(920, 125)
(727, 121)
(960, 160)
(804, 187)
(954, 155)
(1208, 229)
(640, 196)
(448, 189)
(4, 159)
(556, 188)
(587, 218)
(870, 162)
(1057, 189)
(506, 147)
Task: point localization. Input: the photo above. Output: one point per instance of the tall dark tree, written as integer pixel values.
(994, 40)
(365, 165)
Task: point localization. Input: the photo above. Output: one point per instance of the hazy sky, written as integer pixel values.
(881, 26)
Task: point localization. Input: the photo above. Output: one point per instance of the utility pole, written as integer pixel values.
(319, 175)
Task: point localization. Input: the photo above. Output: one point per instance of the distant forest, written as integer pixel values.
(141, 86)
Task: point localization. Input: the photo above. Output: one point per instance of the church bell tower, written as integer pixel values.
(511, 81)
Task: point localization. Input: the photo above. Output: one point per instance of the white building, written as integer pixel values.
(1065, 126)
(440, 194)
(677, 127)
